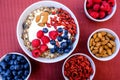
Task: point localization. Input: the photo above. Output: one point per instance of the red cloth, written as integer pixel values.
(10, 11)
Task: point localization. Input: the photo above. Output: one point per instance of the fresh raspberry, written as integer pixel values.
(89, 3)
(36, 53)
(105, 6)
(111, 2)
(40, 33)
(96, 7)
(45, 39)
(36, 43)
(94, 14)
(110, 11)
(101, 14)
(97, 1)
(90, 10)
(53, 34)
(43, 48)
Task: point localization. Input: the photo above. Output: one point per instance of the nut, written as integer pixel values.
(102, 44)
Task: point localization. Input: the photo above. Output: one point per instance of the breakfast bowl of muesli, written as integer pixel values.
(48, 31)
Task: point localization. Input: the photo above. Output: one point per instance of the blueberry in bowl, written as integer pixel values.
(14, 66)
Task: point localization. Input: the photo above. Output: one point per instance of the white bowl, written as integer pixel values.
(20, 55)
(22, 18)
(100, 20)
(116, 41)
(91, 61)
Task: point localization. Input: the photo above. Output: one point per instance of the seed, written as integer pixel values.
(112, 42)
(97, 39)
(99, 35)
(109, 45)
(95, 36)
(109, 51)
(100, 49)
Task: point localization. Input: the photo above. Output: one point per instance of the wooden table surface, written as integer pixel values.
(10, 11)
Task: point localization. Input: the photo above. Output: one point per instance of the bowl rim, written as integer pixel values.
(85, 55)
(53, 4)
(116, 40)
(104, 19)
(22, 56)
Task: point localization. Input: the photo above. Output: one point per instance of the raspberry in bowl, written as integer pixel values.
(100, 10)
(48, 33)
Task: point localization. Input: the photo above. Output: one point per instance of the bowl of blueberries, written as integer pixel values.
(14, 66)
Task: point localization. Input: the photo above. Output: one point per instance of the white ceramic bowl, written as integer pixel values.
(100, 20)
(22, 18)
(82, 54)
(116, 41)
(22, 56)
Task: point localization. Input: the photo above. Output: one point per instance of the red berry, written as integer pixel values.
(43, 48)
(101, 14)
(97, 1)
(89, 3)
(45, 39)
(105, 6)
(111, 2)
(40, 33)
(36, 43)
(53, 34)
(96, 7)
(36, 53)
(90, 10)
(94, 14)
(110, 11)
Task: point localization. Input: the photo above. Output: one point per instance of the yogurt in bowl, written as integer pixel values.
(48, 33)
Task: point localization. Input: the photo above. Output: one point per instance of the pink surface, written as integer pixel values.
(10, 11)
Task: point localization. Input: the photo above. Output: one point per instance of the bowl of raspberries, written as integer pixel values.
(14, 66)
(100, 10)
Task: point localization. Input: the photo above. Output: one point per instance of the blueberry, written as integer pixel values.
(69, 41)
(8, 72)
(26, 73)
(16, 62)
(65, 37)
(65, 32)
(16, 67)
(66, 51)
(45, 30)
(14, 73)
(70, 47)
(14, 56)
(60, 30)
(23, 61)
(52, 42)
(26, 66)
(56, 47)
(59, 38)
(60, 51)
(12, 67)
(20, 73)
(9, 78)
(16, 77)
(63, 45)
(0, 69)
(11, 62)
(52, 50)
(3, 64)
(19, 58)
(7, 58)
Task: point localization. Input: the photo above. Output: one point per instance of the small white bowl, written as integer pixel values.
(116, 41)
(22, 56)
(82, 54)
(100, 20)
(24, 15)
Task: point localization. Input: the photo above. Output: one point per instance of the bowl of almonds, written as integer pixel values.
(103, 44)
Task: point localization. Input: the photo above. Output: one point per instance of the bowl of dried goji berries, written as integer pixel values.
(48, 31)
(78, 66)
(100, 10)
